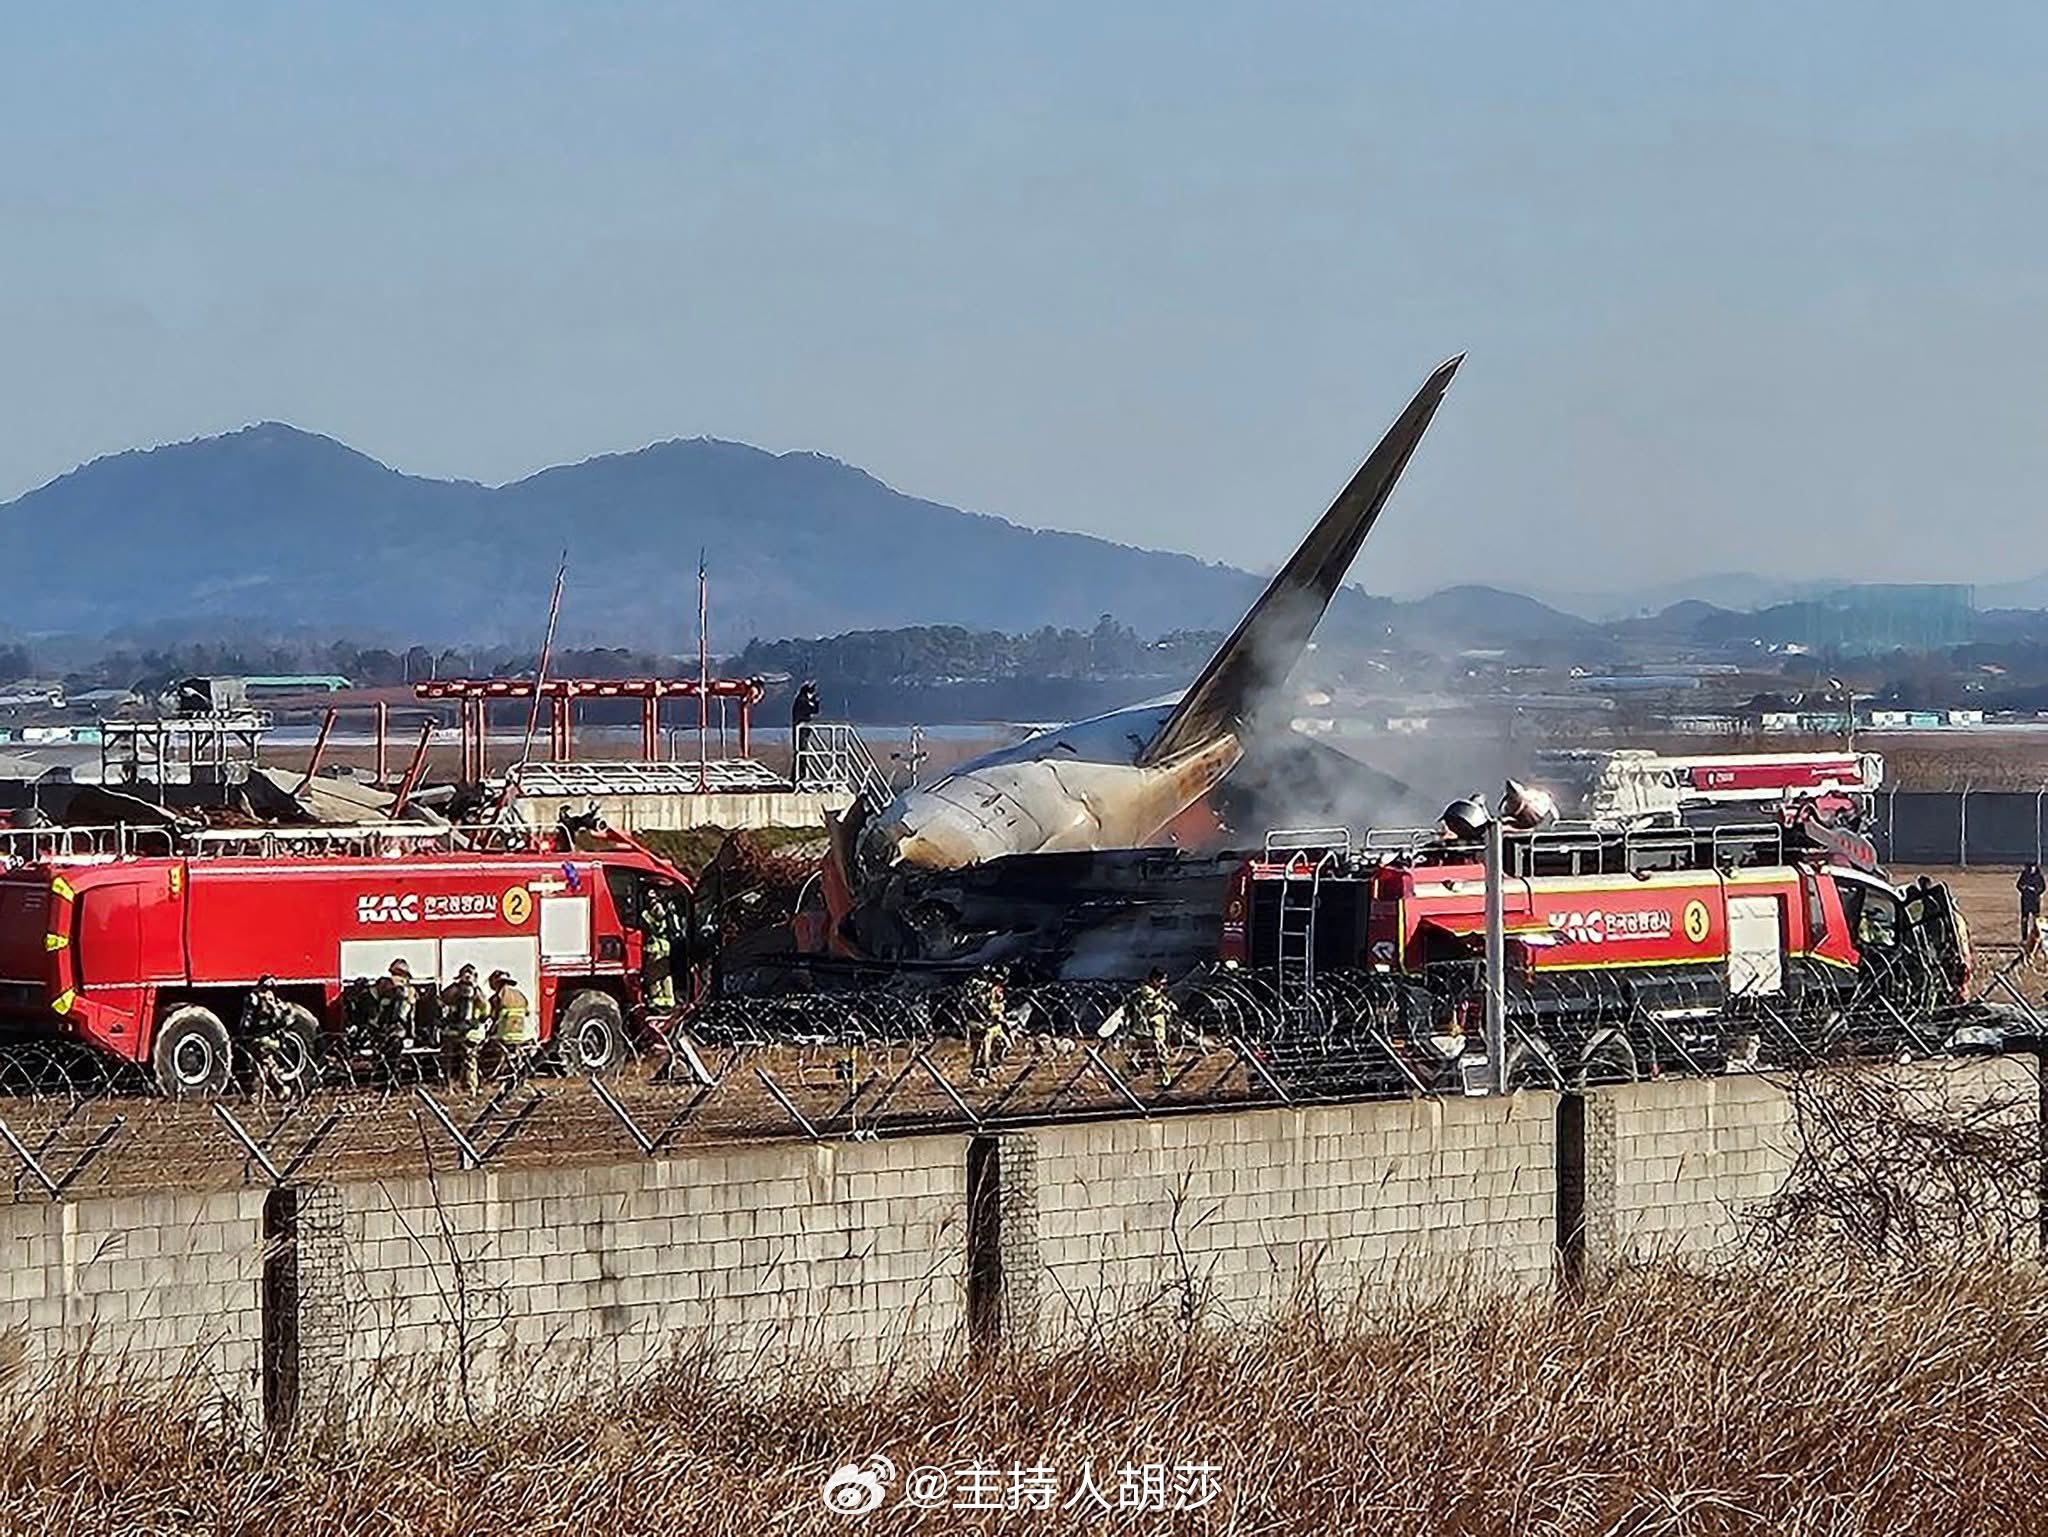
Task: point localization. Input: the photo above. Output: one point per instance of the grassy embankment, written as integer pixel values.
(1662, 1403)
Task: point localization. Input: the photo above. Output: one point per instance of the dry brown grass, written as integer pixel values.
(1665, 1402)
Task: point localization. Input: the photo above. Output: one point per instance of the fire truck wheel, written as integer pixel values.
(591, 1034)
(193, 1056)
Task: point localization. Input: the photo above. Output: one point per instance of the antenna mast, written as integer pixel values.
(540, 673)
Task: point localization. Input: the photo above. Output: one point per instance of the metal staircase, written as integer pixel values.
(831, 756)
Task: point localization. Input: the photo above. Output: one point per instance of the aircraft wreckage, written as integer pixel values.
(1047, 849)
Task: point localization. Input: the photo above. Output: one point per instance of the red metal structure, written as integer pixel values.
(150, 958)
(474, 696)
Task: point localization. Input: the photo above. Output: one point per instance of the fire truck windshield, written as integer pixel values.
(1873, 915)
(630, 890)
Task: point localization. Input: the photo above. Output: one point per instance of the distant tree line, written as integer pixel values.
(917, 654)
(954, 654)
(366, 666)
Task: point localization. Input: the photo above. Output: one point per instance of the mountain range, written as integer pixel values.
(272, 526)
(275, 529)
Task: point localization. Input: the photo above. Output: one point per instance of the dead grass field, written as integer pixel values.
(1666, 1403)
(2015, 760)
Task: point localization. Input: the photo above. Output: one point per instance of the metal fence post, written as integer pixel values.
(1963, 828)
(1496, 958)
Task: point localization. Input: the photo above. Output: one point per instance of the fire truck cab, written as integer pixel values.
(149, 955)
(1626, 949)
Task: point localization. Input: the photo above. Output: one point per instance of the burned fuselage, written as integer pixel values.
(1116, 781)
(1111, 913)
(1098, 913)
(1023, 852)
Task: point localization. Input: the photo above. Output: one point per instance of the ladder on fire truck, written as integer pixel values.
(1303, 854)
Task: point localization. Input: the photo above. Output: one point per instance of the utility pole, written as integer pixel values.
(703, 673)
(1496, 958)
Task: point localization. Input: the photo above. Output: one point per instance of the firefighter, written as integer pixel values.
(1155, 1015)
(657, 944)
(986, 1009)
(265, 1024)
(465, 1020)
(397, 1009)
(359, 1009)
(513, 1027)
(2030, 885)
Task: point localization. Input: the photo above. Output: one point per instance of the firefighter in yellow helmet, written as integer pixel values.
(513, 1027)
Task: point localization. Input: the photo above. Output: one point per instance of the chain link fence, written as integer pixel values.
(1961, 827)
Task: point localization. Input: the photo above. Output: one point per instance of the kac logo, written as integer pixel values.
(390, 907)
(1587, 928)
(856, 1490)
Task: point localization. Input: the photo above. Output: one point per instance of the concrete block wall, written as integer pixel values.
(849, 1254)
(1688, 1158)
(1232, 1214)
(155, 1288)
(316, 1304)
(1692, 1158)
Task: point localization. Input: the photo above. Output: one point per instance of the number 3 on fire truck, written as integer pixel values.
(516, 905)
(1696, 922)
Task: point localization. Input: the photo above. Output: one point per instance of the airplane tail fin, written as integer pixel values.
(1270, 639)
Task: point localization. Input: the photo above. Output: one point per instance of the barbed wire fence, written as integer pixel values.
(897, 1059)
(1891, 1170)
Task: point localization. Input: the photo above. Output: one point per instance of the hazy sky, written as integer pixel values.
(1743, 286)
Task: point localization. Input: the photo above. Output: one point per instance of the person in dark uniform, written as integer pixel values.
(803, 709)
(465, 1022)
(397, 1010)
(266, 1022)
(2030, 885)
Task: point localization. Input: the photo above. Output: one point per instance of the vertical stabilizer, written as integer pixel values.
(1271, 638)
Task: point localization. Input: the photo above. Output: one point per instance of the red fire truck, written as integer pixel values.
(149, 955)
(1627, 951)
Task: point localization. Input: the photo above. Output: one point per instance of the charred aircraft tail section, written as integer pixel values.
(1271, 638)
